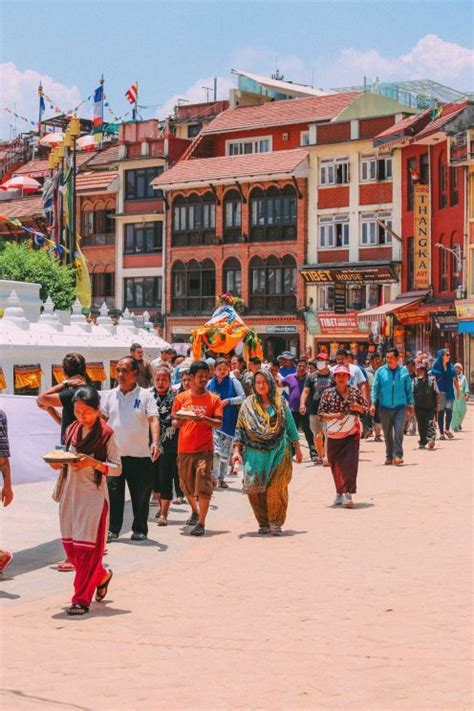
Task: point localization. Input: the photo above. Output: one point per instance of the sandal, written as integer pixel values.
(162, 521)
(101, 590)
(77, 610)
(65, 567)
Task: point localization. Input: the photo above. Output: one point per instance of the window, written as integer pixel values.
(137, 183)
(356, 298)
(444, 267)
(373, 233)
(334, 172)
(272, 285)
(334, 231)
(143, 293)
(98, 227)
(143, 238)
(193, 287)
(424, 169)
(412, 165)
(326, 298)
(232, 276)
(453, 186)
(443, 181)
(232, 216)
(194, 220)
(194, 130)
(262, 144)
(103, 288)
(304, 138)
(373, 168)
(272, 214)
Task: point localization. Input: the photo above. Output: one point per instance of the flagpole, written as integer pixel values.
(40, 112)
(135, 110)
(102, 82)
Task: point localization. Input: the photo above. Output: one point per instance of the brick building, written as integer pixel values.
(237, 224)
(422, 143)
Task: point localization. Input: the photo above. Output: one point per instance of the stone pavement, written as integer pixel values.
(361, 609)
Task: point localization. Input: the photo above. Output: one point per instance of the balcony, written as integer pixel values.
(272, 304)
(98, 240)
(193, 305)
(273, 233)
(195, 238)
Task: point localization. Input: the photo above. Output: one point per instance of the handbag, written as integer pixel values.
(59, 486)
(341, 428)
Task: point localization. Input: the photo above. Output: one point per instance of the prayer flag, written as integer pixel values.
(132, 94)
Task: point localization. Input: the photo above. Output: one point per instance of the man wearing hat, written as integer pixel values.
(315, 384)
(287, 363)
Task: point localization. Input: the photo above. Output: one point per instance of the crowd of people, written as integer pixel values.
(176, 429)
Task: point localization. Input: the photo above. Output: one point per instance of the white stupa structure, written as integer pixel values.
(31, 351)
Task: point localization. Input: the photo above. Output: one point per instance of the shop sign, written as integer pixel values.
(446, 321)
(332, 323)
(399, 338)
(340, 298)
(412, 316)
(465, 309)
(355, 275)
(281, 329)
(422, 252)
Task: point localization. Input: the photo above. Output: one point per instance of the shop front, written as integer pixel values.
(465, 316)
(342, 331)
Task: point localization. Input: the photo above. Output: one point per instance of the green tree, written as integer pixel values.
(22, 263)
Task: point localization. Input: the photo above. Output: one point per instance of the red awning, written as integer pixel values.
(379, 312)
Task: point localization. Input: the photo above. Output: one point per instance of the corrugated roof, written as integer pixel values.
(231, 167)
(22, 208)
(95, 180)
(449, 111)
(281, 85)
(281, 113)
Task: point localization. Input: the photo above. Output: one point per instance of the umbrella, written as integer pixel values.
(51, 140)
(86, 143)
(23, 183)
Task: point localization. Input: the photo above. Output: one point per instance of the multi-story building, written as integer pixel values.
(246, 195)
(143, 153)
(422, 143)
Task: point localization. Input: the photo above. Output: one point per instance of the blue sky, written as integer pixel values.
(172, 49)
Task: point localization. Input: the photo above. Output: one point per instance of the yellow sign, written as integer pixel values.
(465, 310)
(422, 241)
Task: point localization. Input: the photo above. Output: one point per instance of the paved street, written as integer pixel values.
(361, 609)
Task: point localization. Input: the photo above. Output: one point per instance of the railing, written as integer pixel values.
(192, 305)
(98, 240)
(272, 304)
(273, 233)
(194, 238)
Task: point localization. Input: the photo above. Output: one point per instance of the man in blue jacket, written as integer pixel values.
(392, 391)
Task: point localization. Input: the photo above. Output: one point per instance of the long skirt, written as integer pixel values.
(343, 456)
(87, 560)
(270, 506)
(459, 412)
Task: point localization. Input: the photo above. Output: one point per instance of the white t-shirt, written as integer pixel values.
(357, 376)
(128, 414)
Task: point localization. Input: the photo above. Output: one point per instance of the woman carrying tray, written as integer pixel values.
(84, 500)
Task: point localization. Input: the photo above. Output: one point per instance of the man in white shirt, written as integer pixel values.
(358, 379)
(132, 413)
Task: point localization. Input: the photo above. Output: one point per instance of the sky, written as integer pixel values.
(173, 49)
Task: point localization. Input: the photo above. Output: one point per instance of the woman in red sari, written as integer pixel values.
(340, 408)
(84, 503)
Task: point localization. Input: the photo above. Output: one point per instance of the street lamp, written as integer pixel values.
(459, 266)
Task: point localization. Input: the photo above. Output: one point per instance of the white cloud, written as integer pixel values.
(431, 58)
(196, 94)
(20, 93)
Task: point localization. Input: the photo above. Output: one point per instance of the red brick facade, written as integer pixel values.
(447, 215)
(333, 197)
(370, 127)
(243, 251)
(375, 254)
(328, 256)
(334, 133)
(375, 193)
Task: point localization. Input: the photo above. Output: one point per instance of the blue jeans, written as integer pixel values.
(393, 424)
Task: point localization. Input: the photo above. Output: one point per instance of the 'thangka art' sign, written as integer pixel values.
(422, 237)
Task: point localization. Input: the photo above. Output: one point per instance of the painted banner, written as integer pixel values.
(331, 323)
(422, 237)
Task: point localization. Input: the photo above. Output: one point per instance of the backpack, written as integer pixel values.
(424, 393)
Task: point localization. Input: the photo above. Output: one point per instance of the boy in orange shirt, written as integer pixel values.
(196, 413)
